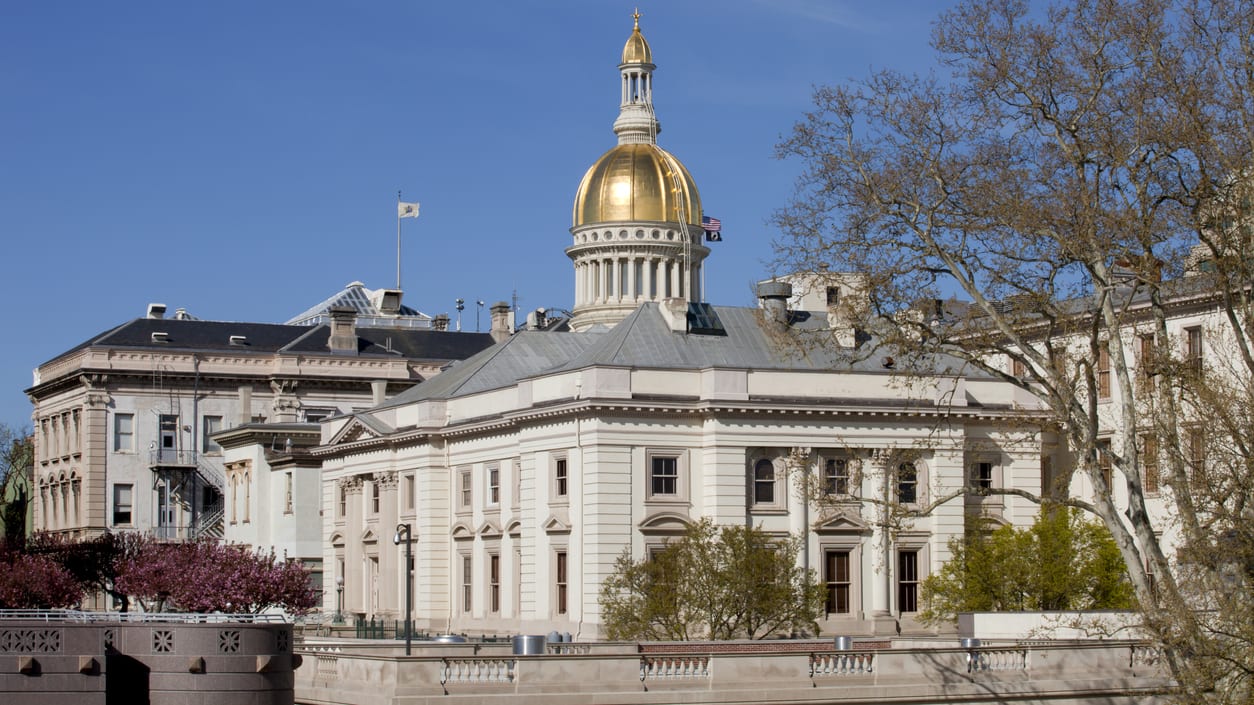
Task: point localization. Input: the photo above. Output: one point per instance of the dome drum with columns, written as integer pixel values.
(636, 220)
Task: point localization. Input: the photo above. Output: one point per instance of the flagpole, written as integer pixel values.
(398, 239)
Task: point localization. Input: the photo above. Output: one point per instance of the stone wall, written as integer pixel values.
(50, 661)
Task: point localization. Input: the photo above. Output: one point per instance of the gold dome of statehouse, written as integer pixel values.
(637, 51)
(637, 182)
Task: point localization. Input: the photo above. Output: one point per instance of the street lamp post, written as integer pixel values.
(403, 530)
(339, 600)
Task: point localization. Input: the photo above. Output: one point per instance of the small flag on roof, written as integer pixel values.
(713, 228)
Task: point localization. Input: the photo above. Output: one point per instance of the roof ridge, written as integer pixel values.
(302, 336)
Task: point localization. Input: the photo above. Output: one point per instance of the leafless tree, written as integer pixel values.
(1076, 177)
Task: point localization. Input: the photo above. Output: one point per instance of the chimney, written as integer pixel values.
(773, 298)
(156, 310)
(378, 391)
(343, 338)
(675, 313)
(440, 322)
(501, 328)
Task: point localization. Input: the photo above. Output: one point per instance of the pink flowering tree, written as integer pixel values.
(34, 582)
(207, 576)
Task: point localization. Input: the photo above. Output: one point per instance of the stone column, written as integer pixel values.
(354, 577)
(391, 556)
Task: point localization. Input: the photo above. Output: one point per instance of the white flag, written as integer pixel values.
(406, 210)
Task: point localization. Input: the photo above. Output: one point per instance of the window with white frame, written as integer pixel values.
(463, 488)
(560, 581)
(210, 425)
(836, 479)
(374, 496)
(837, 579)
(764, 482)
(908, 580)
(287, 492)
(907, 482)
(123, 508)
(561, 477)
(494, 485)
(494, 582)
(664, 476)
(407, 486)
(467, 582)
(123, 433)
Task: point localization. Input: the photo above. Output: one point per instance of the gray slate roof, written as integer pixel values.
(421, 344)
(643, 340)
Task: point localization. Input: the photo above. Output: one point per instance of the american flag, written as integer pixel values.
(713, 228)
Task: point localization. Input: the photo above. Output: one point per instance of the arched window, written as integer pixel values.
(764, 482)
(907, 483)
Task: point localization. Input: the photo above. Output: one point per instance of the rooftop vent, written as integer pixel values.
(239, 340)
(160, 336)
(156, 310)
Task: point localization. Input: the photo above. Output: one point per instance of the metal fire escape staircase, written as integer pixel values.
(190, 477)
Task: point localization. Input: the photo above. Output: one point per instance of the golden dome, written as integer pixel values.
(637, 182)
(637, 51)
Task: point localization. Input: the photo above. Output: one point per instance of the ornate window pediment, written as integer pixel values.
(555, 525)
(842, 522)
(672, 523)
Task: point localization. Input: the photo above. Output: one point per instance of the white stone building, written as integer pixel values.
(528, 469)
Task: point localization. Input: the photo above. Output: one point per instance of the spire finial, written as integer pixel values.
(636, 16)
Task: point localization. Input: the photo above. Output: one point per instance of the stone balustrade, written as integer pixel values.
(1113, 672)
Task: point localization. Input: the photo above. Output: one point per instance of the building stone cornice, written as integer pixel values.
(781, 409)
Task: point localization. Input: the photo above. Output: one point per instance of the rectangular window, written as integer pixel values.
(1018, 369)
(836, 577)
(1103, 373)
(560, 582)
(408, 486)
(764, 482)
(122, 505)
(1149, 463)
(664, 476)
(494, 486)
(907, 483)
(836, 476)
(287, 492)
(211, 425)
(343, 502)
(494, 582)
(1193, 348)
(1196, 440)
(908, 581)
(1145, 356)
(982, 475)
(464, 486)
(374, 496)
(123, 432)
(833, 296)
(1104, 464)
(560, 477)
(467, 585)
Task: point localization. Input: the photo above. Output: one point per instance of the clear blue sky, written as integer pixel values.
(241, 159)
